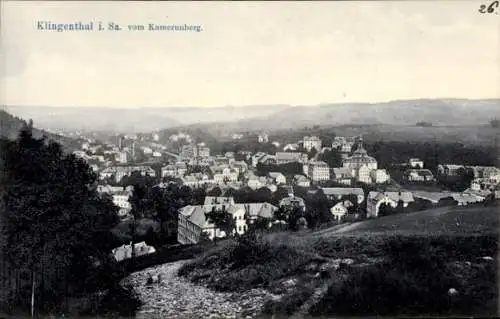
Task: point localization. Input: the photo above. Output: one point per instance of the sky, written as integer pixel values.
(249, 53)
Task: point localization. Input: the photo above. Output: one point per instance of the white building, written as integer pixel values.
(147, 150)
(125, 251)
(344, 145)
(197, 180)
(310, 142)
(318, 171)
(290, 157)
(278, 177)
(121, 171)
(263, 138)
(302, 181)
(416, 163)
(237, 136)
(291, 147)
(379, 176)
(419, 175)
(121, 199)
(202, 150)
(263, 158)
(449, 169)
(364, 174)
(255, 182)
(226, 175)
(339, 210)
(342, 175)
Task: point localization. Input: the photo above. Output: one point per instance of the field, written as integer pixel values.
(449, 221)
(395, 265)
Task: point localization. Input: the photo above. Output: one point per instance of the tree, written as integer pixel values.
(386, 210)
(447, 201)
(318, 209)
(263, 195)
(222, 220)
(216, 192)
(277, 196)
(301, 224)
(281, 214)
(56, 227)
(331, 157)
(230, 192)
(312, 153)
(261, 223)
(198, 196)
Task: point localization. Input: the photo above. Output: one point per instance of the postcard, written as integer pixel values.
(219, 159)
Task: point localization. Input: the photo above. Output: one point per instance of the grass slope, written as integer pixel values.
(437, 221)
(395, 265)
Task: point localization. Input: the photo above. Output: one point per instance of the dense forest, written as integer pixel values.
(55, 232)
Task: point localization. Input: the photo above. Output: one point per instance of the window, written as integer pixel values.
(239, 228)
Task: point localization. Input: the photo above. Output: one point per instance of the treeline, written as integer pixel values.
(55, 232)
(288, 169)
(247, 144)
(388, 153)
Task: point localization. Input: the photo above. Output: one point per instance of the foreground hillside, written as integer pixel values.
(425, 263)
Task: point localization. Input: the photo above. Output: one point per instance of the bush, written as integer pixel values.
(254, 259)
(290, 304)
(415, 278)
(121, 301)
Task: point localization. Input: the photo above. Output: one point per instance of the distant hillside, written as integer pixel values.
(267, 117)
(95, 118)
(437, 112)
(11, 125)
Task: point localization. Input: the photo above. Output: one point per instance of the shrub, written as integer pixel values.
(290, 304)
(252, 260)
(415, 278)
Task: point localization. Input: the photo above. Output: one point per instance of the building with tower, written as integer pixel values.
(360, 164)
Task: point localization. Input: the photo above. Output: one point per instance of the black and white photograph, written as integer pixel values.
(249, 159)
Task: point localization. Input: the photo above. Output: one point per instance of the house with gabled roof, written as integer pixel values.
(193, 221)
(419, 175)
(375, 199)
(338, 193)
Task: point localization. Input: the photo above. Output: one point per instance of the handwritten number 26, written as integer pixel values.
(490, 9)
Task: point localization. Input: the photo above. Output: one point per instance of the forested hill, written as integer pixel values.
(10, 126)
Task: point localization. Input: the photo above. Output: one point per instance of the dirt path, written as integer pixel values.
(175, 297)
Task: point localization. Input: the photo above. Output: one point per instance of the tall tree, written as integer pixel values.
(222, 220)
(55, 226)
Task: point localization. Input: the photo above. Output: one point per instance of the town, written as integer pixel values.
(258, 185)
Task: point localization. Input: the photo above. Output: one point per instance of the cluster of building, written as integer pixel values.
(485, 179)
(356, 166)
(195, 166)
